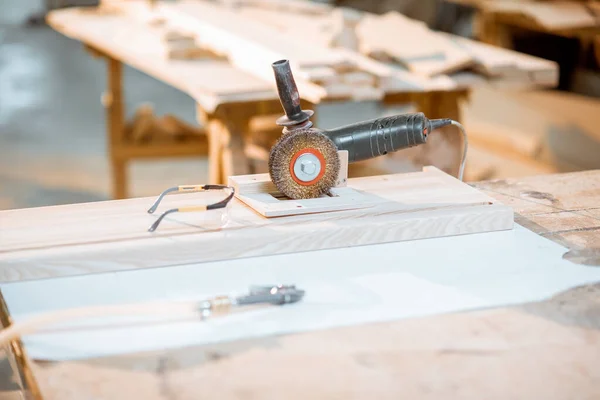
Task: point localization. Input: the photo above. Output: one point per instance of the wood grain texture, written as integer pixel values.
(543, 350)
(112, 236)
(340, 199)
(547, 193)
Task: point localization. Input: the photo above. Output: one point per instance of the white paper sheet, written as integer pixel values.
(344, 287)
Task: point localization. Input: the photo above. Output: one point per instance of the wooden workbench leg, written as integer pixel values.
(234, 134)
(115, 116)
(215, 173)
(226, 149)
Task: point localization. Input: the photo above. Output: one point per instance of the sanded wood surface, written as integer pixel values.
(562, 207)
(112, 236)
(545, 350)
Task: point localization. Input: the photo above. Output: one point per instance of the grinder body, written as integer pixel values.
(378, 137)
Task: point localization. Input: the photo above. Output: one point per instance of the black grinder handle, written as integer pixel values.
(378, 137)
(289, 96)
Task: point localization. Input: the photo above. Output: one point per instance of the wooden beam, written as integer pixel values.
(190, 148)
(113, 236)
(410, 43)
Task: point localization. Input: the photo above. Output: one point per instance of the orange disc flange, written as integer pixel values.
(315, 153)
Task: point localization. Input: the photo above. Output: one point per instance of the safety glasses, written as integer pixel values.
(190, 189)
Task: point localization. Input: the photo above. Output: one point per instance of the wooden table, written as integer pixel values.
(225, 104)
(544, 350)
(226, 98)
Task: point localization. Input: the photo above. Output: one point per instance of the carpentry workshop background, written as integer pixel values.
(394, 199)
(78, 127)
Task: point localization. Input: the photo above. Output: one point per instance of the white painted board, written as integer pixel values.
(344, 287)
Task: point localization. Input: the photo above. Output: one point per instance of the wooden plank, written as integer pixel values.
(112, 236)
(341, 199)
(316, 29)
(503, 139)
(190, 148)
(547, 193)
(395, 36)
(286, 6)
(239, 37)
(209, 82)
(490, 163)
(394, 79)
(334, 28)
(505, 66)
(252, 46)
(496, 62)
(571, 108)
(555, 15)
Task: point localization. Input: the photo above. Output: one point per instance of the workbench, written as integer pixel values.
(227, 99)
(548, 349)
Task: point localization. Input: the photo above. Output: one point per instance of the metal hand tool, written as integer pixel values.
(220, 305)
(257, 295)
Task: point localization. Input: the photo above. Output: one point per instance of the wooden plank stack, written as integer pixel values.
(549, 15)
(338, 53)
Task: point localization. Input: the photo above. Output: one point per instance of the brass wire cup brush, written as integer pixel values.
(304, 163)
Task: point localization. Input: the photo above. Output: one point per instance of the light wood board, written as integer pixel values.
(411, 43)
(294, 6)
(495, 62)
(112, 236)
(550, 15)
(209, 82)
(252, 46)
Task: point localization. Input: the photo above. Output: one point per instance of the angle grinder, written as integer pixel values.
(304, 163)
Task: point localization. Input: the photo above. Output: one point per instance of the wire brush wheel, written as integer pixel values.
(304, 164)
